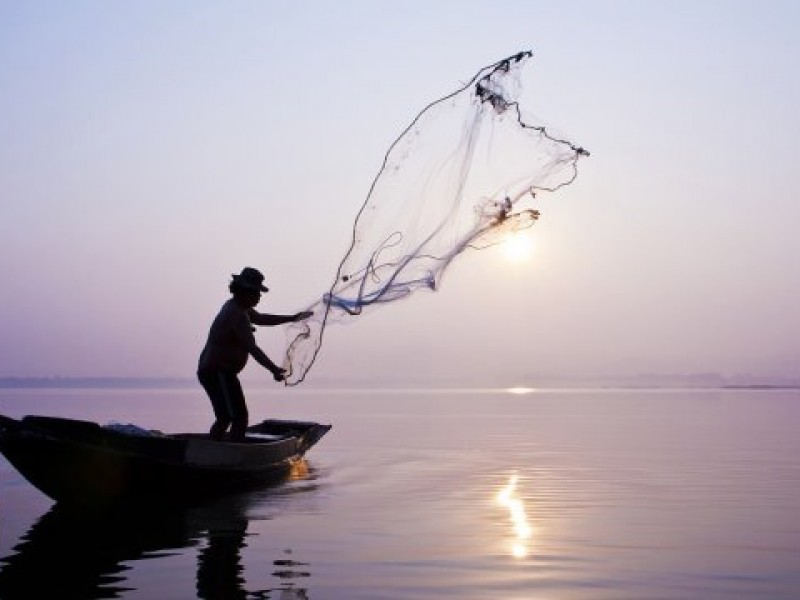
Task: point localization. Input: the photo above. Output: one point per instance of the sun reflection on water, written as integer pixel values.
(507, 498)
(299, 470)
(520, 391)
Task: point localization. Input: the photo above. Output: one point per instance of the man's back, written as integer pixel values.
(229, 339)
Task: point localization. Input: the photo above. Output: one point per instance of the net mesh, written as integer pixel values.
(462, 175)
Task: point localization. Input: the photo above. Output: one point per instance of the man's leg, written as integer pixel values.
(238, 407)
(214, 383)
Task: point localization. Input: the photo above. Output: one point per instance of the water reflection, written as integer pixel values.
(71, 555)
(520, 391)
(507, 497)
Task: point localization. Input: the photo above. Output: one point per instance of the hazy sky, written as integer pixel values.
(150, 149)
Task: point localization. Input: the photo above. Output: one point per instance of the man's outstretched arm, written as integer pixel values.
(257, 318)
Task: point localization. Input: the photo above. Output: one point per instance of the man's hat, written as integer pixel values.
(250, 279)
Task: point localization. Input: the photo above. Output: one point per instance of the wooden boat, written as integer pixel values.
(83, 463)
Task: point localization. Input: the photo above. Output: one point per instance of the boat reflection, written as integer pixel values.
(507, 497)
(71, 555)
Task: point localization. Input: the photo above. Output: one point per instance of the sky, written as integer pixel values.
(149, 150)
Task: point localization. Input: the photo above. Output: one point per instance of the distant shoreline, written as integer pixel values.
(763, 386)
(94, 382)
(186, 382)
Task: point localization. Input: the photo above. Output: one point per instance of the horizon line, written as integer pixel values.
(656, 381)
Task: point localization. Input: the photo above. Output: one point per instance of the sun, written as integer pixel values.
(519, 247)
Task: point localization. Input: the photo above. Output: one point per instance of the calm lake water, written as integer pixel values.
(468, 494)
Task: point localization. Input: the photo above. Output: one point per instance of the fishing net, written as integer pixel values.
(462, 175)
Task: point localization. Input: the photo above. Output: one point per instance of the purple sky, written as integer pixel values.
(149, 150)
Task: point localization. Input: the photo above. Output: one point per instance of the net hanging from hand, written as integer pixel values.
(455, 178)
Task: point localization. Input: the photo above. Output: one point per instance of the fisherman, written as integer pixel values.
(230, 342)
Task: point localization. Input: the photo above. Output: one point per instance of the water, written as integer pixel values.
(468, 494)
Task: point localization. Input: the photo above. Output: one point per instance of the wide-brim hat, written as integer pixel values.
(250, 279)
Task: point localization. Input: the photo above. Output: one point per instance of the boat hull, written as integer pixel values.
(79, 462)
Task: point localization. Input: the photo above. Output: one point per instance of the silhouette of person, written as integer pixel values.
(220, 574)
(230, 343)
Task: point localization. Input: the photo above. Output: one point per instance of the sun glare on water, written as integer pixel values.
(508, 498)
(520, 391)
(519, 247)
